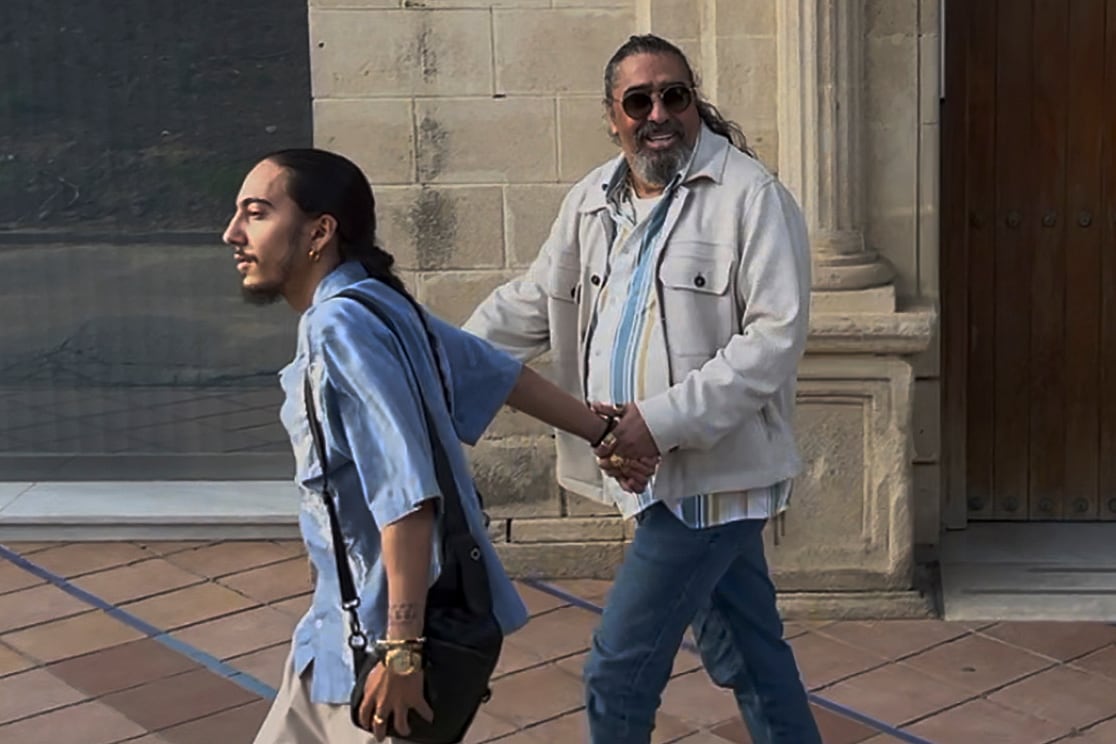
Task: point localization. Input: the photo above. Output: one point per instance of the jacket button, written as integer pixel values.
(573, 292)
(699, 281)
(595, 280)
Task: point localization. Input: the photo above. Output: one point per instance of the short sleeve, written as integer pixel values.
(481, 378)
(379, 411)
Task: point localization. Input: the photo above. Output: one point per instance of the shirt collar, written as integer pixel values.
(344, 275)
(706, 162)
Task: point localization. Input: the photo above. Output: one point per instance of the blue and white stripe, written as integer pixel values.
(628, 357)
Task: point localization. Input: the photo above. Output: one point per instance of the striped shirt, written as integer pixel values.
(627, 354)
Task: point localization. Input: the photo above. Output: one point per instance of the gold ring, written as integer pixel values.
(616, 460)
(609, 440)
(378, 721)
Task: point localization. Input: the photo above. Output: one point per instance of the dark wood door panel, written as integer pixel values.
(979, 87)
(1029, 227)
(1015, 226)
(1083, 232)
(1048, 287)
(1107, 457)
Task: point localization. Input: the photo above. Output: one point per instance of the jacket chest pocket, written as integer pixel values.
(563, 279)
(698, 303)
(563, 285)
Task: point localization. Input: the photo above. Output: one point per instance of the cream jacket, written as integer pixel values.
(734, 291)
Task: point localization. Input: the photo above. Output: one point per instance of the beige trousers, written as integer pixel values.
(293, 719)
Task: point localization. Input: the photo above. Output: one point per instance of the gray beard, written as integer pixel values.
(657, 168)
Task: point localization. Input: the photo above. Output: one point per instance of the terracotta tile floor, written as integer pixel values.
(84, 666)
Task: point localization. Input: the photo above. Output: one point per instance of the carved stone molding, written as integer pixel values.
(850, 524)
(820, 75)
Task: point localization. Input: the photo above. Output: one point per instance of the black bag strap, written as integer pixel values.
(358, 640)
(454, 524)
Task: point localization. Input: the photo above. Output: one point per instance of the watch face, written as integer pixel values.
(402, 662)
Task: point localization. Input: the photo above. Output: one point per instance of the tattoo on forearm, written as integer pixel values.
(403, 615)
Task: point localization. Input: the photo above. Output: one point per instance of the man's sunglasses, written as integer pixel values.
(676, 99)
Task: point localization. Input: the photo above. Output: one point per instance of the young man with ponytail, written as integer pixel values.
(304, 231)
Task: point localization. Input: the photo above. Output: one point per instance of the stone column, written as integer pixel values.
(820, 74)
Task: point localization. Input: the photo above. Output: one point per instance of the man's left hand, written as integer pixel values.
(631, 438)
(388, 695)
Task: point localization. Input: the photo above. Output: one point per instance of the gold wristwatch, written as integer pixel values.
(403, 661)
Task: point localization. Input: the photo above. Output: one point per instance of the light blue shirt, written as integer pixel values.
(380, 462)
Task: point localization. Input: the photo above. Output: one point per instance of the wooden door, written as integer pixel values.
(1029, 258)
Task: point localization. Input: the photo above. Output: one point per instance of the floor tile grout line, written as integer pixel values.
(53, 709)
(219, 578)
(528, 727)
(554, 660)
(200, 581)
(998, 687)
(1095, 724)
(40, 546)
(1051, 663)
(208, 661)
(904, 661)
(119, 605)
(4, 646)
(100, 699)
(901, 657)
(115, 566)
(6, 592)
(983, 695)
(822, 702)
(204, 716)
(285, 645)
(1070, 660)
(145, 545)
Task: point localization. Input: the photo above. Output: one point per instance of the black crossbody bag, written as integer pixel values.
(463, 638)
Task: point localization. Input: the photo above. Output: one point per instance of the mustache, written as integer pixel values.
(652, 129)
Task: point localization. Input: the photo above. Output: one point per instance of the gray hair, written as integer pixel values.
(710, 116)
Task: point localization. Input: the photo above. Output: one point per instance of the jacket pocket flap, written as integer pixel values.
(563, 280)
(695, 273)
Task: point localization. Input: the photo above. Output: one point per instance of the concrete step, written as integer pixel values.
(148, 510)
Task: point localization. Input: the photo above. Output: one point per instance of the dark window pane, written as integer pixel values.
(125, 128)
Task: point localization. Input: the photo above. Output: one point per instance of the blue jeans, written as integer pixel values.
(716, 580)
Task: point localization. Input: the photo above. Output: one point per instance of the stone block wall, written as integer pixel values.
(473, 117)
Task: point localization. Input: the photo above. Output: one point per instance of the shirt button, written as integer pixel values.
(595, 280)
(699, 281)
(318, 624)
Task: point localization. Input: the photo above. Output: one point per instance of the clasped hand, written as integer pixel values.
(628, 453)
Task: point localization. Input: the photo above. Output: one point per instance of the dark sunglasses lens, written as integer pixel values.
(677, 99)
(637, 105)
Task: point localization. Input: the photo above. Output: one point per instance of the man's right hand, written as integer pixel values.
(633, 475)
